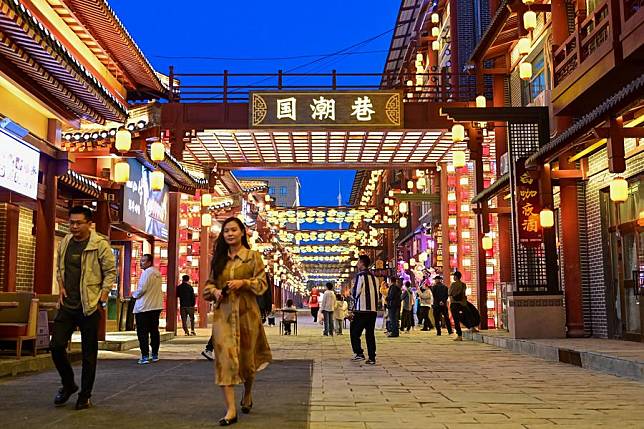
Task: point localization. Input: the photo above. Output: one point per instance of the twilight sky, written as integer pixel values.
(174, 33)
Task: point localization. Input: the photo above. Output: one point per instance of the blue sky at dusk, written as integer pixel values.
(188, 34)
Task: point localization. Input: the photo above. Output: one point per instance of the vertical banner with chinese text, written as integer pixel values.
(527, 206)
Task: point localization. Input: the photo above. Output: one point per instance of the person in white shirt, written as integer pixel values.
(147, 309)
(328, 307)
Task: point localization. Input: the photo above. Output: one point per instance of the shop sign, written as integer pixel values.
(527, 206)
(322, 109)
(19, 165)
(383, 272)
(143, 208)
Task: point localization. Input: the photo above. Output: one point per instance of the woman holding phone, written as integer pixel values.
(241, 349)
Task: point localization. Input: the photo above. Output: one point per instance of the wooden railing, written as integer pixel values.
(590, 35)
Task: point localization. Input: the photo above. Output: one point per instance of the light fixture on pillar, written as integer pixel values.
(435, 18)
(458, 133)
(523, 46)
(206, 219)
(157, 151)
(403, 207)
(480, 101)
(486, 242)
(157, 180)
(123, 140)
(525, 70)
(121, 172)
(618, 190)
(546, 218)
(530, 20)
(403, 222)
(458, 158)
(435, 31)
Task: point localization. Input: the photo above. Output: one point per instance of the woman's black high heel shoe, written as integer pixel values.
(246, 408)
(227, 422)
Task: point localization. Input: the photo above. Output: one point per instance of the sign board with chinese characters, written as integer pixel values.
(326, 109)
(528, 206)
(143, 208)
(19, 165)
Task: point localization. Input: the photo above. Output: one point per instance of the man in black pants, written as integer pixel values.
(439, 307)
(186, 295)
(364, 297)
(147, 309)
(394, 301)
(85, 273)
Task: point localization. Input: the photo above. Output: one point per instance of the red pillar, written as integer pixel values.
(173, 263)
(45, 232)
(204, 273)
(444, 220)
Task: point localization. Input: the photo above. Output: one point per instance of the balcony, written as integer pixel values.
(595, 60)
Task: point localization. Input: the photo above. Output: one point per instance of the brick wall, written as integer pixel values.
(26, 251)
(594, 278)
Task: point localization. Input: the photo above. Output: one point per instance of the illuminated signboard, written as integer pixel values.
(528, 206)
(143, 208)
(324, 109)
(19, 164)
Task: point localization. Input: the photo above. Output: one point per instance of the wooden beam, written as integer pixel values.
(567, 174)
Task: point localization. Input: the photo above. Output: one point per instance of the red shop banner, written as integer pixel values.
(527, 206)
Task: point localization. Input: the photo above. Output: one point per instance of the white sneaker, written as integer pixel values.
(208, 354)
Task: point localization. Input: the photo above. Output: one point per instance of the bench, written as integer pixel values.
(18, 319)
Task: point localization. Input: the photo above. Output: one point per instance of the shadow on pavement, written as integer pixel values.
(166, 394)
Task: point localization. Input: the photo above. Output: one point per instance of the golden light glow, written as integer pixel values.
(206, 219)
(436, 45)
(121, 172)
(546, 218)
(618, 190)
(156, 180)
(530, 20)
(458, 158)
(487, 243)
(402, 207)
(123, 140)
(410, 184)
(435, 31)
(157, 151)
(480, 101)
(588, 150)
(206, 200)
(525, 70)
(523, 46)
(403, 222)
(435, 18)
(421, 183)
(458, 133)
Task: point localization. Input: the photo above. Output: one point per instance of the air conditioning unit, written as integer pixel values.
(543, 99)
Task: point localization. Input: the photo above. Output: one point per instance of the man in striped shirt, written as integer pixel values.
(364, 296)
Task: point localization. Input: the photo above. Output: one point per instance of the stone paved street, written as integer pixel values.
(421, 381)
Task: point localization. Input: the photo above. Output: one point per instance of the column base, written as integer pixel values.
(536, 316)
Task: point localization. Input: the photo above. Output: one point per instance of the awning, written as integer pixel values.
(81, 183)
(489, 192)
(613, 104)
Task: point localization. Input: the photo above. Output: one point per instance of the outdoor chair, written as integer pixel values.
(293, 322)
(18, 319)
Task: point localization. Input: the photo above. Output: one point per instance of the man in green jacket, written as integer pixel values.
(85, 273)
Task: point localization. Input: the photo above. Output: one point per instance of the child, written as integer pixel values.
(339, 313)
(271, 316)
(290, 316)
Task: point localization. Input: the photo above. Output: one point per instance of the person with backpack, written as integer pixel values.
(459, 306)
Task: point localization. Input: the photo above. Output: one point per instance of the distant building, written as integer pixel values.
(285, 191)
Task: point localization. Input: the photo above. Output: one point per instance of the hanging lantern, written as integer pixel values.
(391, 193)
(480, 101)
(530, 20)
(525, 70)
(423, 257)
(206, 219)
(403, 207)
(410, 83)
(123, 140)
(412, 262)
(546, 218)
(486, 242)
(410, 184)
(523, 46)
(436, 45)
(121, 172)
(421, 183)
(435, 18)
(157, 151)
(458, 133)
(403, 222)
(458, 158)
(156, 180)
(419, 57)
(435, 31)
(206, 200)
(618, 190)
(267, 198)
(528, 2)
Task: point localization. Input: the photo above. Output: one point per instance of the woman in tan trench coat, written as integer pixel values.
(241, 349)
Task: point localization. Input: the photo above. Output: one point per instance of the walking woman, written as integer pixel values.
(241, 349)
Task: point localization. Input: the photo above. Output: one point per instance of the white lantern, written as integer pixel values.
(525, 70)
(546, 218)
(435, 31)
(421, 183)
(157, 151)
(523, 46)
(435, 18)
(618, 190)
(121, 172)
(403, 222)
(458, 158)
(206, 219)
(156, 180)
(206, 200)
(412, 262)
(410, 184)
(486, 242)
(436, 45)
(123, 140)
(458, 133)
(480, 101)
(530, 20)
(403, 207)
